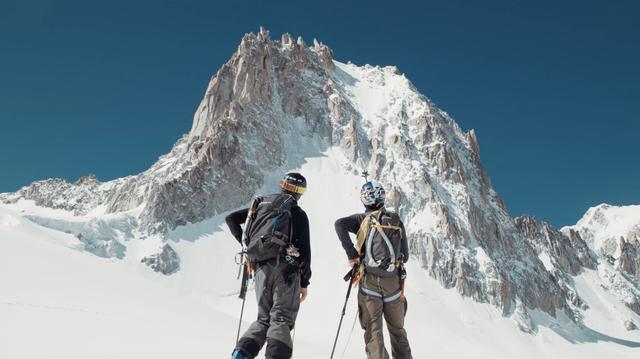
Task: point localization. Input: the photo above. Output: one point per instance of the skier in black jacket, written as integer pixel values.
(280, 286)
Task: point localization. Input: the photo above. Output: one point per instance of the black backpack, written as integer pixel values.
(269, 227)
(379, 240)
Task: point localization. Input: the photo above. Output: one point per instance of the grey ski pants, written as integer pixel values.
(378, 297)
(278, 297)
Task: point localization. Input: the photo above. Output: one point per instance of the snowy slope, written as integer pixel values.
(57, 301)
(75, 305)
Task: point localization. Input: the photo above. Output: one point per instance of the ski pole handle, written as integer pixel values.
(351, 273)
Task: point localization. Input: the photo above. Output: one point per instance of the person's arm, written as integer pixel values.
(404, 244)
(347, 225)
(234, 222)
(302, 241)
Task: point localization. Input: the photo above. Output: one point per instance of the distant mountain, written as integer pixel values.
(613, 233)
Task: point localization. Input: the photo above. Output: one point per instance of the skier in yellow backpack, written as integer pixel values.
(380, 251)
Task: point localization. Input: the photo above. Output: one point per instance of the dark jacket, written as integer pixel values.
(351, 224)
(300, 239)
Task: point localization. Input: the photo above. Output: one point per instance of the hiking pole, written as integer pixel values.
(240, 322)
(293, 339)
(245, 266)
(243, 289)
(348, 277)
(353, 326)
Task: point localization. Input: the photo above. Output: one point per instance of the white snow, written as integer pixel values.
(57, 301)
(602, 226)
(546, 260)
(7, 220)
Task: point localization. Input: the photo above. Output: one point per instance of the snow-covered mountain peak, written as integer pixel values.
(602, 226)
(613, 232)
(278, 104)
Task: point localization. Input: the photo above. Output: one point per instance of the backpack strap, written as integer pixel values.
(392, 251)
(290, 202)
(362, 235)
(364, 231)
(283, 203)
(251, 215)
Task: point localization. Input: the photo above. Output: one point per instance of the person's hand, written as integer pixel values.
(355, 279)
(303, 294)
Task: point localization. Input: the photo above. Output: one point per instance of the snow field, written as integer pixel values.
(60, 302)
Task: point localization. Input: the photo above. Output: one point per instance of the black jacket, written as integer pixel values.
(351, 224)
(300, 238)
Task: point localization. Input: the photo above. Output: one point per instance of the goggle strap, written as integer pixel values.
(291, 187)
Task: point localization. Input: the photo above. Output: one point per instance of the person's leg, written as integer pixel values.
(286, 303)
(394, 314)
(254, 338)
(371, 308)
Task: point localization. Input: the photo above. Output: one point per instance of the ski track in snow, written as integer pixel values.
(61, 302)
(46, 307)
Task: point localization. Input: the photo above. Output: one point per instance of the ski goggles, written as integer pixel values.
(291, 187)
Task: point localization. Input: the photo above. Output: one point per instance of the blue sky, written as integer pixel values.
(551, 87)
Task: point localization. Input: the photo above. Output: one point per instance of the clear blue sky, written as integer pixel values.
(551, 87)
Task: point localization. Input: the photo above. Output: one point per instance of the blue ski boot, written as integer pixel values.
(238, 355)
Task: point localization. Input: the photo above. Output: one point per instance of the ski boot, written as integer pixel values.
(238, 355)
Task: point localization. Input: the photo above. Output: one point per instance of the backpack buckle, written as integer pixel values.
(293, 251)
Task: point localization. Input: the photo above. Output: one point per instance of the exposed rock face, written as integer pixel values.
(630, 325)
(629, 262)
(79, 197)
(166, 262)
(275, 103)
(557, 249)
(562, 256)
(582, 250)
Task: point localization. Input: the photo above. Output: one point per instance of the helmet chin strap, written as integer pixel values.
(293, 194)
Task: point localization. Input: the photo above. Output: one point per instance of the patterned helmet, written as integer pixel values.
(372, 193)
(294, 183)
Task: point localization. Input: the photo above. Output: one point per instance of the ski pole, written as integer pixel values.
(348, 277)
(240, 322)
(293, 339)
(243, 290)
(353, 326)
(245, 265)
